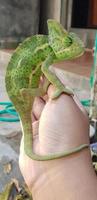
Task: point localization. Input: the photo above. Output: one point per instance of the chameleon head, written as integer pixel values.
(64, 44)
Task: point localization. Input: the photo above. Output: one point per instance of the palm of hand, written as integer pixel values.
(56, 121)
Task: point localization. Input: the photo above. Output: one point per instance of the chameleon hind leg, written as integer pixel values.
(33, 90)
(60, 88)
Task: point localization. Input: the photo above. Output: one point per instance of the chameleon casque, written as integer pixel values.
(30, 60)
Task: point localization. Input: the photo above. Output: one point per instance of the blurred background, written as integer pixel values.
(20, 19)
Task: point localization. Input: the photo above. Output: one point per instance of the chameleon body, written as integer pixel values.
(29, 61)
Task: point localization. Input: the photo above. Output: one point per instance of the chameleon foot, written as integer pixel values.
(58, 92)
(33, 92)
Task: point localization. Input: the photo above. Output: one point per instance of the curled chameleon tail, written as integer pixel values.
(30, 60)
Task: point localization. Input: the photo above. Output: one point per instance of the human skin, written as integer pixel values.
(59, 125)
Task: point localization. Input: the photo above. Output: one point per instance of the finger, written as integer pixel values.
(35, 128)
(33, 118)
(50, 91)
(45, 98)
(38, 107)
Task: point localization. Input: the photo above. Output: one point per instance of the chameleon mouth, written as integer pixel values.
(65, 54)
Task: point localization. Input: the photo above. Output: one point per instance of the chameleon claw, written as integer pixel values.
(58, 92)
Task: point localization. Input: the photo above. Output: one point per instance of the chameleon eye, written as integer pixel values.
(70, 40)
(67, 41)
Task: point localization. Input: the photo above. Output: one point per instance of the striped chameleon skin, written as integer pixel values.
(30, 60)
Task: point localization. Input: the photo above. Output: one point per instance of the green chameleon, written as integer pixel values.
(29, 61)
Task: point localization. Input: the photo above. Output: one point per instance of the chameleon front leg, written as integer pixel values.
(60, 88)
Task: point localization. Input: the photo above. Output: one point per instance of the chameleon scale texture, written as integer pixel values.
(30, 60)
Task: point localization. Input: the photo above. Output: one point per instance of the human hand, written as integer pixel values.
(58, 125)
